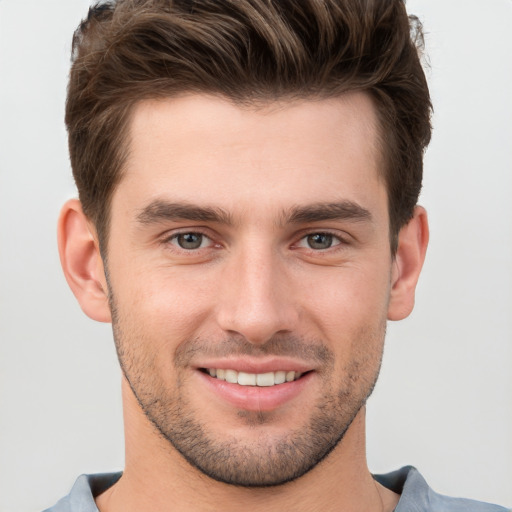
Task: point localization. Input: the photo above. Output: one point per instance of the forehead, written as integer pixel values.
(200, 148)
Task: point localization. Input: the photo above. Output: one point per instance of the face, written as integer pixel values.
(249, 276)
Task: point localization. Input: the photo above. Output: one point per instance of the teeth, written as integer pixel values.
(254, 379)
(231, 376)
(265, 379)
(279, 377)
(246, 379)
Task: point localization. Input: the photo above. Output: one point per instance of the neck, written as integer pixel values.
(158, 478)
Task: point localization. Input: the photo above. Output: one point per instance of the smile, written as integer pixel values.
(253, 379)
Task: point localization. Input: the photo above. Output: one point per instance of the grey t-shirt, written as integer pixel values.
(416, 495)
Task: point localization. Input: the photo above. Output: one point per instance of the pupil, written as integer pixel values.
(320, 241)
(190, 240)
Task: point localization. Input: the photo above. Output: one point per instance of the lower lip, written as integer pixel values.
(256, 398)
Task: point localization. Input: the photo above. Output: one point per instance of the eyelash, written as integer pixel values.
(336, 239)
(174, 237)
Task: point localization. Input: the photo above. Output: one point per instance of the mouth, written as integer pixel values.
(256, 385)
(267, 379)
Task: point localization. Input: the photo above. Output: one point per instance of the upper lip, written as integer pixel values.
(256, 365)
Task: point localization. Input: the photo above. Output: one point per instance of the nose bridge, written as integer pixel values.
(256, 299)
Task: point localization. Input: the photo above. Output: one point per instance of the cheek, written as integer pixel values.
(167, 304)
(350, 296)
(350, 311)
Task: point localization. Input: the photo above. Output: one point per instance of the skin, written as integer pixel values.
(259, 290)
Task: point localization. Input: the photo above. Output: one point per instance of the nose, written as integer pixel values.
(256, 299)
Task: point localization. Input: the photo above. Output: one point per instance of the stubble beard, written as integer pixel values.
(265, 460)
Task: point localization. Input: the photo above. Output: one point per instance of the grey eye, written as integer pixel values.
(319, 241)
(189, 241)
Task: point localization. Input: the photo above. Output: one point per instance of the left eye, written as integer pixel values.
(319, 241)
(190, 241)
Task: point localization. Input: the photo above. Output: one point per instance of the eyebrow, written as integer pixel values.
(344, 210)
(160, 211)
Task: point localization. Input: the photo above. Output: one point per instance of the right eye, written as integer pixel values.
(190, 241)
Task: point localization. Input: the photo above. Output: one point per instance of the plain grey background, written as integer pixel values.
(444, 400)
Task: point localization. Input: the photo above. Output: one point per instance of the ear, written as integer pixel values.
(81, 261)
(409, 258)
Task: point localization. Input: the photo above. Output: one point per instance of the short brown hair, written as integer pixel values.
(247, 51)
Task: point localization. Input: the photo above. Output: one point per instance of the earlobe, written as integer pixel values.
(409, 258)
(81, 261)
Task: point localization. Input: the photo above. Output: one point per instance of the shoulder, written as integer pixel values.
(417, 496)
(85, 489)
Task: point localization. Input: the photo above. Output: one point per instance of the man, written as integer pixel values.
(248, 174)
